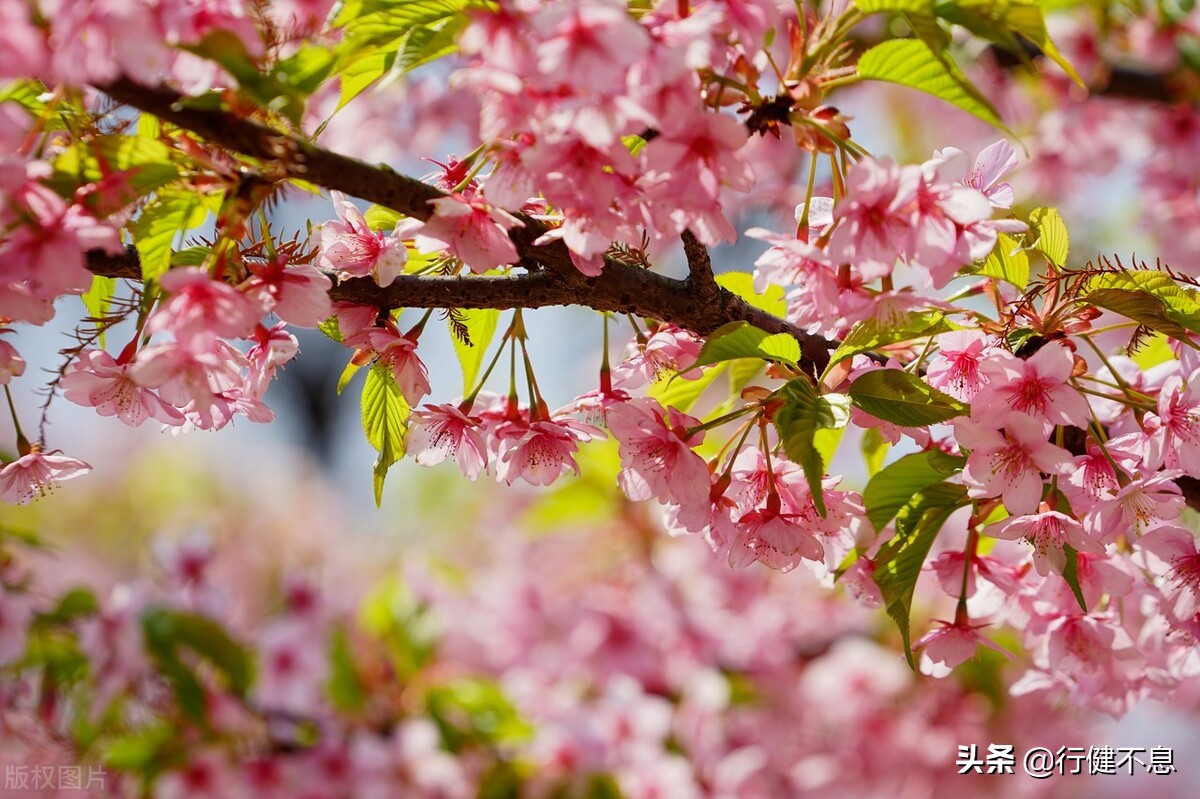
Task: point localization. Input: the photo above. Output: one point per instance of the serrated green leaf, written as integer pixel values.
(742, 284)
(873, 333)
(1149, 297)
(481, 328)
(901, 398)
(797, 421)
(742, 340)
(384, 420)
(394, 36)
(899, 561)
(1071, 574)
(911, 62)
(1049, 234)
(896, 485)
(166, 218)
(1007, 261)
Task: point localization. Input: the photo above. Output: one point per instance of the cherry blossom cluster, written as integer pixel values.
(569, 663)
(564, 85)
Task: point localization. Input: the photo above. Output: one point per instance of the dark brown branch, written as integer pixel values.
(621, 287)
(700, 270)
(627, 290)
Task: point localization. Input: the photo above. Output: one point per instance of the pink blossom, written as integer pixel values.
(1173, 434)
(439, 431)
(951, 644)
(1176, 547)
(351, 249)
(657, 460)
(543, 451)
(11, 363)
(272, 348)
(873, 217)
(296, 293)
(991, 165)
(399, 354)
(1009, 463)
(667, 350)
(1037, 386)
(592, 43)
(33, 475)
(1048, 531)
(776, 539)
(200, 309)
(23, 43)
(97, 380)
(1142, 504)
(470, 231)
(202, 382)
(955, 369)
(291, 672)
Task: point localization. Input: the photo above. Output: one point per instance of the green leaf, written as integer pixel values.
(346, 688)
(394, 36)
(168, 633)
(1071, 574)
(384, 420)
(874, 449)
(1149, 297)
(1007, 261)
(742, 284)
(871, 334)
(743, 340)
(1050, 235)
(899, 561)
(347, 375)
(911, 62)
(97, 299)
(798, 420)
(911, 6)
(146, 163)
(330, 328)
(475, 710)
(166, 218)
(896, 485)
(680, 393)
(380, 218)
(481, 328)
(999, 20)
(901, 398)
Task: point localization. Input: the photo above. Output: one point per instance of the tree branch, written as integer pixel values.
(620, 288)
(700, 270)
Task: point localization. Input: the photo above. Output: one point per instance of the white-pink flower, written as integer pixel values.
(955, 367)
(1036, 386)
(470, 231)
(32, 475)
(296, 293)
(657, 460)
(950, 645)
(440, 431)
(1009, 464)
(1048, 532)
(201, 309)
(542, 451)
(99, 381)
(351, 249)
(1173, 434)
